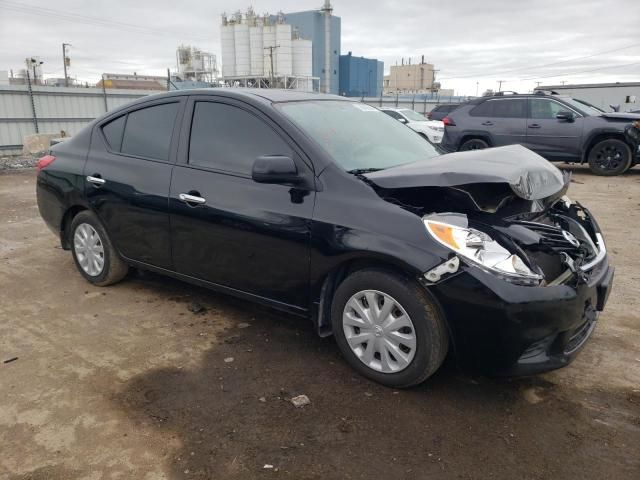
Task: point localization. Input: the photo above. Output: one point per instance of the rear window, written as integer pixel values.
(113, 132)
(148, 131)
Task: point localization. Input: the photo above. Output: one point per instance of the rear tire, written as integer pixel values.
(473, 144)
(403, 352)
(610, 157)
(93, 252)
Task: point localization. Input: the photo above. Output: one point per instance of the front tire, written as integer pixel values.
(388, 328)
(610, 157)
(93, 252)
(473, 144)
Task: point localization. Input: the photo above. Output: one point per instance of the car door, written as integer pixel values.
(127, 176)
(243, 235)
(503, 119)
(552, 137)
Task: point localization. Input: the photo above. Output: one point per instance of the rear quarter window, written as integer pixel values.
(113, 132)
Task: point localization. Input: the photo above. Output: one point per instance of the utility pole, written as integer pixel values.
(271, 49)
(538, 84)
(65, 62)
(563, 82)
(500, 82)
(477, 86)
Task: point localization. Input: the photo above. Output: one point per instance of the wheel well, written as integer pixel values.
(472, 136)
(331, 282)
(66, 223)
(603, 136)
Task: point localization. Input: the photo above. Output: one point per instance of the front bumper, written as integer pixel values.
(504, 329)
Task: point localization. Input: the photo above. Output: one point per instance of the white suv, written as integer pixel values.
(433, 130)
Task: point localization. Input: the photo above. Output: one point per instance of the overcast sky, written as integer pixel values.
(469, 41)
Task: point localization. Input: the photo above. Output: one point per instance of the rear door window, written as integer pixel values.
(148, 131)
(485, 109)
(229, 138)
(393, 114)
(512, 108)
(113, 132)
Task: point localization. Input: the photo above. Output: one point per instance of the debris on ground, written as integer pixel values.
(300, 401)
(195, 307)
(262, 399)
(228, 360)
(9, 360)
(268, 466)
(244, 325)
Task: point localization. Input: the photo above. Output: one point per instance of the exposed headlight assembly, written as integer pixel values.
(479, 249)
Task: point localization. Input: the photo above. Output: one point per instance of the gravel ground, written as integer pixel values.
(156, 379)
(18, 162)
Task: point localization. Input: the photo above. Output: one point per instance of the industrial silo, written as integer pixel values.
(227, 38)
(256, 47)
(269, 41)
(302, 58)
(241, 37)
(284, 57)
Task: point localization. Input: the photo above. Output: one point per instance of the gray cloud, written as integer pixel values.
(468, 41)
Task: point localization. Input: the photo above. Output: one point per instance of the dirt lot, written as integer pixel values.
(126, 382)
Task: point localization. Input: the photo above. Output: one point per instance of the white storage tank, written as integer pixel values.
(228, 50)
(269, 40)
(241, 36)
(302, 57)
(256, 49)
(284, 57)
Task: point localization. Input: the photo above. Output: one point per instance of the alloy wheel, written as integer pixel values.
(609, 156)
(379, 331)
(89, 249)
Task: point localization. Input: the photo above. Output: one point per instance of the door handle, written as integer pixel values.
(534, 125)
(96, 180)
(487, 123)
(191, 199)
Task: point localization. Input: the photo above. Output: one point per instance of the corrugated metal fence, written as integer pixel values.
(53, 110)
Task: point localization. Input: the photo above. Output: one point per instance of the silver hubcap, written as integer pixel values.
(89, 249)
(379, 331)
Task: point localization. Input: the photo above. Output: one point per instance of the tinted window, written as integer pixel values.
(148, 131)
(230, 139)
(482, 110)
(512, 108)
(545, 108)
(113, 132)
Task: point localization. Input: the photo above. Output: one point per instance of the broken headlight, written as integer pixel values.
(479, 249)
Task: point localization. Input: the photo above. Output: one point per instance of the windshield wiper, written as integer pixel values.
(360, 171)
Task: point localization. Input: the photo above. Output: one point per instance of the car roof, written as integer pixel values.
(271, 95)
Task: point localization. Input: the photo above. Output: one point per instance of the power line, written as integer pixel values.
(95, 21)
(529, 68)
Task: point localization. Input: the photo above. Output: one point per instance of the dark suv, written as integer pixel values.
(557, 127)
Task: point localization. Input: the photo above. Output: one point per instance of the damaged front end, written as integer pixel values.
(504, 210)
(526, 270)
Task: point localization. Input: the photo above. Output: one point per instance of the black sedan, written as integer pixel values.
(331, 210)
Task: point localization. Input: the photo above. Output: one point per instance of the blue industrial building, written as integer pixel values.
(360, 77)
(311, 26)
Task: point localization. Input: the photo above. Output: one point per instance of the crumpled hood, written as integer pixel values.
(530, 176)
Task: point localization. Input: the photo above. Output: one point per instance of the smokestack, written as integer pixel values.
(326, 10)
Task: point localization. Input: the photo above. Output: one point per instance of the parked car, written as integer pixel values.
(440, 111)
(557, 127)
(329, 209)
(429, 129)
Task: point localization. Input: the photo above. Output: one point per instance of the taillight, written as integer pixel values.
(448, 122)
(45, 161)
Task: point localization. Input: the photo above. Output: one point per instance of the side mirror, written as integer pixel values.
(403, 120)
(566, 115)
(275, 169)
